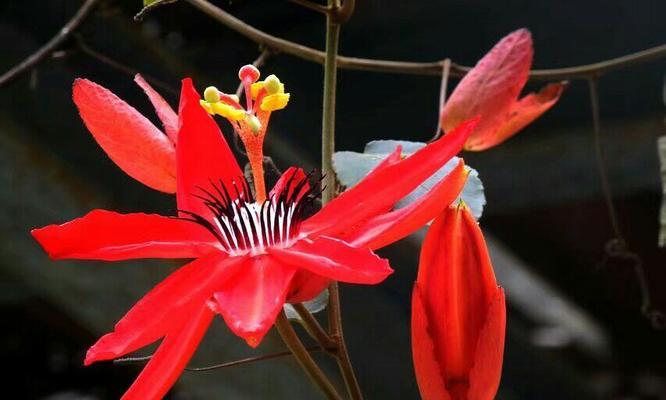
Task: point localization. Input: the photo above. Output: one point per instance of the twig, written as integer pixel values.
(446, 69)
(312, 6)
(327, 149)
(52, 45)
(617, 248)
(314, 328)
(248, 360)
(150, 7)
(415, 68)
(303, 357)
(339, 13)
(89, 51)
(601, 159)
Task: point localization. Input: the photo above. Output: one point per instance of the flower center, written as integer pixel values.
(243, 225)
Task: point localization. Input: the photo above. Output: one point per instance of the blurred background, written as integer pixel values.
(575, 328)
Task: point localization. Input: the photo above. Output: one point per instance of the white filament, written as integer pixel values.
(258, 226)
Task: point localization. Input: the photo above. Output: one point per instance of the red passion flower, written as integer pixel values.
(253, 251)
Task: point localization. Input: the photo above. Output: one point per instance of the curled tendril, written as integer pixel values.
(617, 249)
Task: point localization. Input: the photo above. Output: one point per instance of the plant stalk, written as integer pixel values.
(327, 149)
(304, 358)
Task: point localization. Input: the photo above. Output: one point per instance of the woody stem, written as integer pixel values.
(304, 358)
(327, 149)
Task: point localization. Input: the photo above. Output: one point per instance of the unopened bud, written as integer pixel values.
(211, 94)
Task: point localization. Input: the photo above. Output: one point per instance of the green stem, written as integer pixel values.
(328, 113)
(327, 149)
(304, 358)
(315, 330)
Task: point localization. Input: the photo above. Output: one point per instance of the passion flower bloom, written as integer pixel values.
(252, 253)
(137, 146)
(491, 89)
(458, 313)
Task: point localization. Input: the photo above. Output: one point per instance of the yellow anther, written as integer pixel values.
(253, 122)
(234, 98)
(211, 94)
(255, 88)
(228, 111)
(278, 87)
(206, 106)
(274, 102)
(273, 85)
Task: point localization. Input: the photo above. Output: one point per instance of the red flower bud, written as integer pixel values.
(458, 313)
(491, 89)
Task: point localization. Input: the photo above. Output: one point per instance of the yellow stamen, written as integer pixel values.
(274, 102)
(206, 106)
(211, 94)
(257, 86)
(273, 85)
(228, 111)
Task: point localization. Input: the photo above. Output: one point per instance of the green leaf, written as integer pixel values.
(350, 167)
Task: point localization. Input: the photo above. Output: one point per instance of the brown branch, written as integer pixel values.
(304, 358)
(150, 7)
(314, 329)
(446, 70)
(126, 69)
(52, 45)
(248, 360)
(312, 6)
(415, 68)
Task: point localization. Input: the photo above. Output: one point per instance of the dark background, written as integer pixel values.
(575, 330)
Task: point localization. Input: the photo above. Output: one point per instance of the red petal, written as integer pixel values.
(106, 235)
(293, 177)
(381, 189)
(251, 300)
(491, 88)
(335, 259)
(165, 307)
(522, 113)
(162, 371)
(385, 229)
(484, 378)
(457, 286)
(306, 286)
(165, 113)
(127, 137)
(203, 154)
(429, 375)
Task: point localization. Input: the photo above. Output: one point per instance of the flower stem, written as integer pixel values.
(328, 113)
(315, 330)
(327, 149)
(304, 358)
